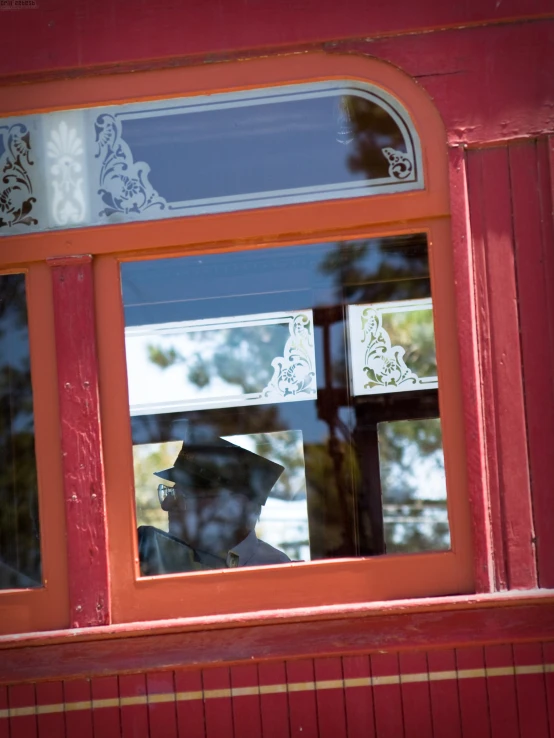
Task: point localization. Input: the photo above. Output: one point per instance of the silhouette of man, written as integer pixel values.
(218, 493)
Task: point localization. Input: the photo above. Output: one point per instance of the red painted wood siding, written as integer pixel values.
(490, 199)
(61, 34)
(496, 692)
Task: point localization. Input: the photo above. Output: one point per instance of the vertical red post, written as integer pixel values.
(81, 441)
(466, 309)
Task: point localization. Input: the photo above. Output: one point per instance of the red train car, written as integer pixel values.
(276, 356)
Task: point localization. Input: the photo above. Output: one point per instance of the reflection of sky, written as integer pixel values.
(239, 150)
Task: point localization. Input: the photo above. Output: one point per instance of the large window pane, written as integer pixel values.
(318, 364)
(19, 525)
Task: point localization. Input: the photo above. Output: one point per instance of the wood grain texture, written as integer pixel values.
(501, 691)
(61, 35)
(474, 700)
(81, 440)
(491, 199)
(468, 342)
(292, 640)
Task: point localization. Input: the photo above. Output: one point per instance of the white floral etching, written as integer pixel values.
(66, 149)
(124, 185)
(294, 372)
(400, 164)
(378, 366)
(221, 362)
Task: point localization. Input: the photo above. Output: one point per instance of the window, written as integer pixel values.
(20, 565)
(33, 569)
(389, 544)
(319, 358)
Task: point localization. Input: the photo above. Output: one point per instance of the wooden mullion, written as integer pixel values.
(81, 440)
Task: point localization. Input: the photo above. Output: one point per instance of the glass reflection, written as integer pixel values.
(333, 498)
(19, 525)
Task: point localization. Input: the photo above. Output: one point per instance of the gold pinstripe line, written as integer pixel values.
(207, 694)
(186, 696)
(72, 706)
(109, 702)
(155, 699)
(273, 688)
(139, 699)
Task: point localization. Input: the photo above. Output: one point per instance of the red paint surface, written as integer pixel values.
(78, 723)
(416, 697)
(445, 700)
(247, 719)
(408, 631)
(134, 718)
(387, 697)
(190, 713)
(274, 707)
(162, 716)
(475, 432)
(302, 704)
(218, 710)
(84, 489)
(531, 693)
(60, 34)
(50, 725)
(474, 706)
(330, 702)
(548, 656)
(531, 178)
(502, 693)
(489, 193)
(4, 724)
(22, 726)
(360, 716)
(107, 720)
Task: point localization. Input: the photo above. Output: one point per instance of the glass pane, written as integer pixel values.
(19, 525)
(243, 409)
(413, 485)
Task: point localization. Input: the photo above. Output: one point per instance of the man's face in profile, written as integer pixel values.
(211, 521)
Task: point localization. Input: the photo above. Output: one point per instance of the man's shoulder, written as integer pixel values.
(267, 554)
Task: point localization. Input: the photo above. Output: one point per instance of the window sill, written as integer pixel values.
(331, 630)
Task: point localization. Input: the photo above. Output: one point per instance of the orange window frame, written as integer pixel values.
(266, 588)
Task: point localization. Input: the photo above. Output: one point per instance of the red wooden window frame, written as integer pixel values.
(463, 569)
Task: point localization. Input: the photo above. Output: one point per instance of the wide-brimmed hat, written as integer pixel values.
(223, 465)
